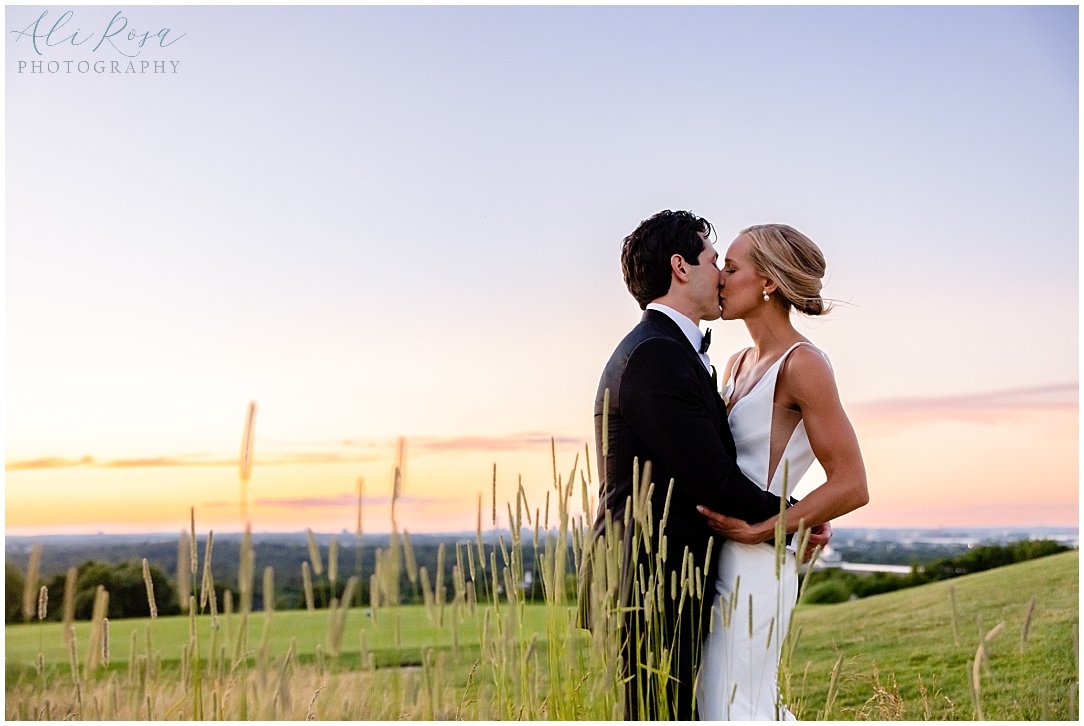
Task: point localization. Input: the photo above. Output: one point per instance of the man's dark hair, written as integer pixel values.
(646, 253)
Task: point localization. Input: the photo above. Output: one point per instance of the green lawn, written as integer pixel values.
(397, 637)
(900, 659)
(906, 637)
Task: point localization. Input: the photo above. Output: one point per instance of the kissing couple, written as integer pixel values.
(694, 481)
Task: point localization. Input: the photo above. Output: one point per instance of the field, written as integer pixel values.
(898, 656)
(902, 659)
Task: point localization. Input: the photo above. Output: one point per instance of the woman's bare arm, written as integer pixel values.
(810, 386)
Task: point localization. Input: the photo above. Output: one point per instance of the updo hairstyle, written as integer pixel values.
(793, 261)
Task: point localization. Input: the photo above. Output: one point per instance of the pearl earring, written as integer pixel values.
(766, 296)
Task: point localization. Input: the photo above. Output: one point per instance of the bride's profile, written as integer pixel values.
(784, 410)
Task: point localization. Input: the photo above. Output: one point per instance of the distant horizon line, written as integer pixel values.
(474, 533)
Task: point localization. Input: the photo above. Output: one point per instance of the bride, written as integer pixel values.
(784, 410)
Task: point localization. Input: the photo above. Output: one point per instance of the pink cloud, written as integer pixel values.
(322, 452)
(982, 407)
(335, 501)
(511, 442)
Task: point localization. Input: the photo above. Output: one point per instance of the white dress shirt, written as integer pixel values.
(688, 327)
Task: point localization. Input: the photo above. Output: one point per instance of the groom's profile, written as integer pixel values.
(663, 407)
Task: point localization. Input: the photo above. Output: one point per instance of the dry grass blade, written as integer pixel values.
(955, 617)
(833, 688)
(981, 655)
(1027, 621)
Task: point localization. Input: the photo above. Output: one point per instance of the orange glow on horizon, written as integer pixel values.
(1015, 470)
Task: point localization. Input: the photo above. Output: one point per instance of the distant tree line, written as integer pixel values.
(836, 585)
(116, 569)
(127, 589)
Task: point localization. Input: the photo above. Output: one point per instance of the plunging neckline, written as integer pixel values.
(730, 408)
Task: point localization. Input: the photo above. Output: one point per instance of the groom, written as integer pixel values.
(665, 408)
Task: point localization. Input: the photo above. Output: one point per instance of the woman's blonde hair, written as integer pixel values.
(793, 261)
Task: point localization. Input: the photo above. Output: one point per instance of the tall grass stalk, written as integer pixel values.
(149, 584)
(193, 554)
(248, 443)
(955, 616)
(306, 580)
(1027, 621)
(94, 647)
(981, 655)
(333, 562)
(507, 659)
(30, 586)
(68, 613)
(184, 581)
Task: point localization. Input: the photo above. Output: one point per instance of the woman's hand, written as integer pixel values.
(736, 529)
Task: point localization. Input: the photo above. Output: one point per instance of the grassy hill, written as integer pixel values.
(901, 659)
(896, 656)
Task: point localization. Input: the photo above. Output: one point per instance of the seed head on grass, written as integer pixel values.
(438, 582)
(333, 562)
(73, 654)
(101, 608)
(337, 621)
(30, 586)
(192, 544)
(833, 688)
(105, 641)
(150, 588)
(411, 561)
(43, 602)
(268, 592)
(314, 553)
(184, 582)
(69, 599)
(246, 571)
(247, 444)
(306, 579)
(207, 581)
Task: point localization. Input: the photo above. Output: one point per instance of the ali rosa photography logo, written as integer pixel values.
(94, 45)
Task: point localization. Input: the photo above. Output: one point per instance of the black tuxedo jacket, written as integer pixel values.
(664, 408)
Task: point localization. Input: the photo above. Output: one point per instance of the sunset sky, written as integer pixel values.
(405, 222)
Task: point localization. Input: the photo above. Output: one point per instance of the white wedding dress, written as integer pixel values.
(754, 596)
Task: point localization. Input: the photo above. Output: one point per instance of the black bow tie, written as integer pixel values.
(705, 342)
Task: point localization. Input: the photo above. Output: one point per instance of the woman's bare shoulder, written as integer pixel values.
(807, 374)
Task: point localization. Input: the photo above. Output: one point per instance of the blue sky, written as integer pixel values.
(405, 221)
